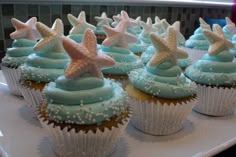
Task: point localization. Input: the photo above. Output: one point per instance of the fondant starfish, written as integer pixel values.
(25, 30)
(125, 17)
(118, 36)
(79, 24)
(166, 50)
(203, 24)
(147, 27)
(230, 26)
(217, 39)
(103, 20)
(51, 37)
(84, 57)
(115, 23)
(157, 20)
(158, 25)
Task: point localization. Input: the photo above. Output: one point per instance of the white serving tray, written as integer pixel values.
(201, 135)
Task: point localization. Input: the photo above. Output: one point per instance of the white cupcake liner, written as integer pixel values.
(215, 101)
(194, 54)
(12, 77)
(69, 143)
(32, 96)
(159, 119)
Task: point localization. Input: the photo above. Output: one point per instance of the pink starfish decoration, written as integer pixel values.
(118, 36)
(230, 26)
(25, 30)
(125, 17)
(84, 57)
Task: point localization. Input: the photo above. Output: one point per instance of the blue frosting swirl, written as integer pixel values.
(17, 54)
(165, 80)
(84, 100)
(125, 60)
(216, 70)
(197, 40)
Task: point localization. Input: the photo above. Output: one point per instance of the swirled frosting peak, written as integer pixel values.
(162, 76)
(216, 67)
(82, 95)
(50, 58)
(198, 40)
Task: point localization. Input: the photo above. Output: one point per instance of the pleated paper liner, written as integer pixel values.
(71, 140)
(159, 117)
(215, 101)
(194, 54)
(12, 77)
(32, 93)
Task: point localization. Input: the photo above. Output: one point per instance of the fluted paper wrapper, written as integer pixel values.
(215, 101)
(159, 119)
(194, 54)
(68, 143)
(32, 96)
(12, 77)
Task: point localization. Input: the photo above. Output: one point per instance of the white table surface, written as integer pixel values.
(23, 136)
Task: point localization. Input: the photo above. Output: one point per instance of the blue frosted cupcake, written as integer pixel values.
(161, 97)
(82, 106)
(25, 37)
(45, 65)
(215, 75)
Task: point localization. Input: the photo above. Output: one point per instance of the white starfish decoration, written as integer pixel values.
(157, 20)
(25, 30)
(118, 36)
(158, 25)
(230, 26)
(203, 24)
(125, 17)
(79, 24)
(166, 50)
(103, 20)
(84, 57)
(51, 37)
(217, 39)
(147, 27)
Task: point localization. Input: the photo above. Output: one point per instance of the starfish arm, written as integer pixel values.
(17, 23)
(76, 68)
(228, 21)
(215, 48)
(72, 19)
(218, 30)
(112, 40)
(159, 43)
(82, 17)
(32, 21)
(94, 70)
(158, 58)
(104, 61)
(130, 38)
(231, 28)
(203, 24)
(90, 42)
(165, 24)
(109, 30)
(58, 27)
(181, 54)
(157, 19)
(21, 33)
(90, 26)
(138, 19)
(44, 30)
(176, 25)
(117, 19)
(211, 37)
(171, 38)
(74, 50)
(46, 44)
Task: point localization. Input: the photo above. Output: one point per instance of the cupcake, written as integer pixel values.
(45, 65)
(25, 37)
(182, 56)
(101, 21)
(116, 46)
(215, 75)
(79, 26)
(161, 97)
(84, 113)
(229, 29)
(197, 44)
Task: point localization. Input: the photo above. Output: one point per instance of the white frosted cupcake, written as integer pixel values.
(161, 97)
(215, 75)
